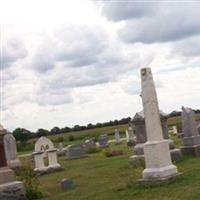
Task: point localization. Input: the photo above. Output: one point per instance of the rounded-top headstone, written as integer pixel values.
(43, 144)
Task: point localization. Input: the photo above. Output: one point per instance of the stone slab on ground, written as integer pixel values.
(12, 191)
(193, 150)
(66, 184)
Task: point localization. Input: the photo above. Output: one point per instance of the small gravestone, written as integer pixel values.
(75, 151)
(61, 150)
(191, 137)
(130, 136)
(117, 137)
(66, 184)
(11, 151)
(103, 141)
(90, 144)
(9, 188)
(175, 131)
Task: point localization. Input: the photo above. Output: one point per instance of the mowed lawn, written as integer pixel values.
(100, 178)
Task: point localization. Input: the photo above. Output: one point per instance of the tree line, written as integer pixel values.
(23, 135)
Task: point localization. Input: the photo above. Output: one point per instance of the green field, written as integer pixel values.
(79, 136)
(98, 177)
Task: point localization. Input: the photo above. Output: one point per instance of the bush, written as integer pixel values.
(93, 150)
(31, 182)
(25, 146)
(59, 139)
(71, 138)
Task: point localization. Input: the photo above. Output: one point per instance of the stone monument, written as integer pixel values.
(175, 131)
(11, 151)
(103, 141)
(191, 137)
(89, 144)
(75, 151)
(130, 136)
(9, 189)
(159, 167)
(117, 137)
(45, 146)
(139, 122)
(61, 150)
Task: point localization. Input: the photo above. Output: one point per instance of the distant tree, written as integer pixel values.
(197, 111)
(55, 130)
(77, 128)
(22, 134)
(174, 113)
(42, 132)
(90, 126)
(65, 129)
(98, 125)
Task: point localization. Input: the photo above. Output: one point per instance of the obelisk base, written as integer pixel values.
(159, 167)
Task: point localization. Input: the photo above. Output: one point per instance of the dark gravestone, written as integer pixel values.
(66, 184)
(191, 137)
(75, 151)
(3, 162)
(103, 141)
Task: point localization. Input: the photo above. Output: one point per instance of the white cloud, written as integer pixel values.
(73, 66)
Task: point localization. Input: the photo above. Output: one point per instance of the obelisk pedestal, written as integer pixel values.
(159, 167)
(9, 189)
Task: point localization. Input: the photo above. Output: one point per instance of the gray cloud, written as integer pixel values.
(172, 21)
(77, 46)
(123, 10)
(187, 48)
(12, 51)
(54, 98)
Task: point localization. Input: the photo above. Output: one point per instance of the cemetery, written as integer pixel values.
(99, 100)
(145, 159)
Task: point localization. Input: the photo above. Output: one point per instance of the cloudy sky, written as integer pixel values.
(78, 62)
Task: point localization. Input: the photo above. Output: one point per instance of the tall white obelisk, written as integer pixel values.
(159, 167)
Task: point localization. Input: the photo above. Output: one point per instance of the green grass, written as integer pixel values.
(79, 136)
(100, 178)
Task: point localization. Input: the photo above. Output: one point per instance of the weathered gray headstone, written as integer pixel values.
(9, 189)
(61, 150)
(89, 144)
(191, 137)
(139, 122)
(75, 151)
(103, 141)
(159, 167)
(117, 137)
(11, 151)
(175, 131)
(66, 184)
